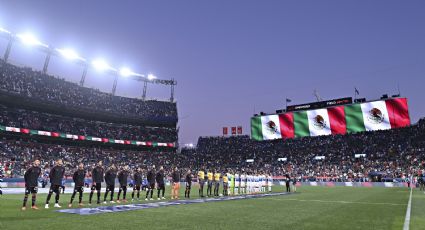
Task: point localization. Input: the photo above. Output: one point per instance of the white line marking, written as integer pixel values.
(339, 202)
(409, 207)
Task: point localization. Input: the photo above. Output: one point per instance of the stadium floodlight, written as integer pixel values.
(31, 40)
(151, 77)
(101, 65)
(125, 72)
(70, 54)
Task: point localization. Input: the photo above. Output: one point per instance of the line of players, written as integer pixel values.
(233, 184)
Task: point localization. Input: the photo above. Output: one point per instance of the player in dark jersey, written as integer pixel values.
(110, 177)
(122, 179)
(160, 182)
(56, 176)
(288, 183)
(78, 177)
(31, 183)
(189, 177)
(137, 183)
(151, 182)
(97, 177)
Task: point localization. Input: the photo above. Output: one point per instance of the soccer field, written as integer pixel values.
(309, 208)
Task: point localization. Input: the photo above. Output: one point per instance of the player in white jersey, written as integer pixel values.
(249, 184)
(243, 183)
(270, 182)
(237, 183)
(256, 183)
(262, 183)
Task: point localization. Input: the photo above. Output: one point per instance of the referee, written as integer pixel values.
(201, 181)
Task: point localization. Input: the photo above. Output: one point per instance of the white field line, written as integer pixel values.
(409, 207)
(339, 202)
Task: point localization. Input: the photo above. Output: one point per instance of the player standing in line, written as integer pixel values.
(216, 183)
(225, 184)
(151, 182)
(56, 176)
(176, 184)
(270, 181)
(160, 183)
(243, 183)
(122, 179)
(237, 183)
(294, 184)
(264, 184)
(97, 179)
(78, 177)
(201, 182)
(189, 177)
(31, 184)
(110, 177)
(231, 185)
(137, 183)
(209, 183)
(249, 182)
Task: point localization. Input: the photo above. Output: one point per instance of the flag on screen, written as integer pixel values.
(370, 116)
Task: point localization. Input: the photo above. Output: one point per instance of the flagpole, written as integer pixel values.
(398, 89)
(286, 103)
(355, 94)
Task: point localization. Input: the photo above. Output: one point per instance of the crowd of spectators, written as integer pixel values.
(36, 85)
(381, 155)
(385, 155)
(16, 156)
(55, 123)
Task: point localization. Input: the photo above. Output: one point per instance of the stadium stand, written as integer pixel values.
(389, 155)
(24, 84)
(43, 121)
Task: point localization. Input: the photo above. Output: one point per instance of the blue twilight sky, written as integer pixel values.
(234, 57)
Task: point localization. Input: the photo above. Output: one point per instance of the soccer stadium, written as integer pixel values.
(232, 115)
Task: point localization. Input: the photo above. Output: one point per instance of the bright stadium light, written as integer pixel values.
(125, 72)
(151, 77)
(31, 40)
(69, 54)
(101, 65)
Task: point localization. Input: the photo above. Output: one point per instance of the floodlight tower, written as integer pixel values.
(83, 76)
(101, 65)
(8, 48)
(47, 60)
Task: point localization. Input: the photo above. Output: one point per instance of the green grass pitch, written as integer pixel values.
(310, 208)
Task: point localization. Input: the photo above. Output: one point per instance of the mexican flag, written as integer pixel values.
(370, 116)
(44, 133)
(90, 138)
(13, 129)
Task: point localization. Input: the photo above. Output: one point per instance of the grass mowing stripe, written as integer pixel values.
(337, 201)
(409, 207)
